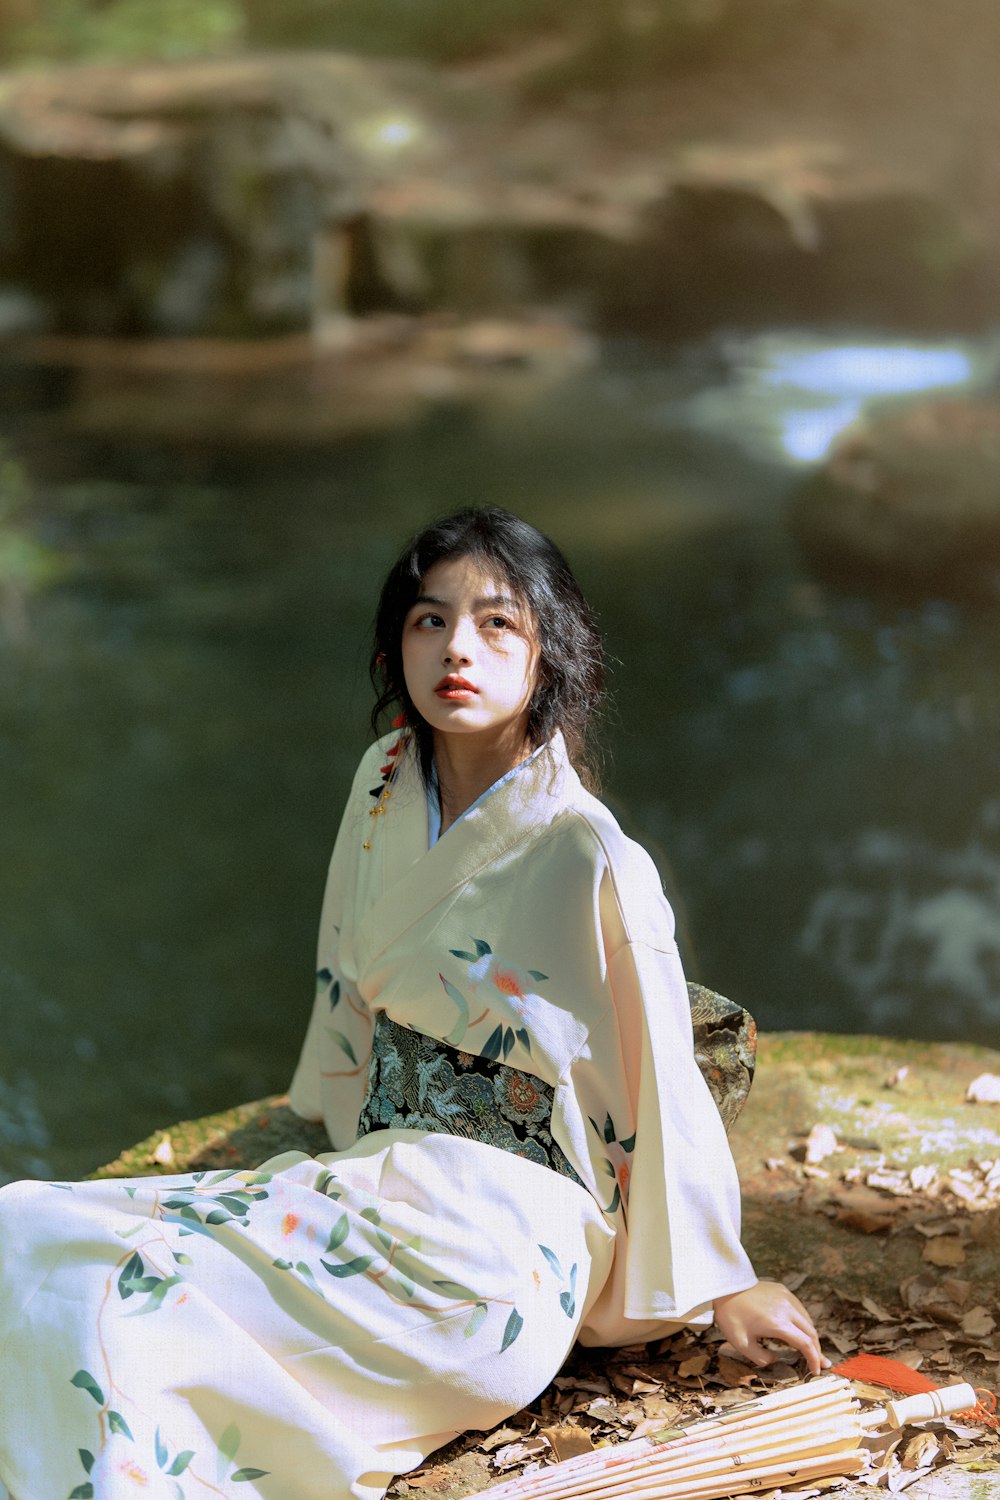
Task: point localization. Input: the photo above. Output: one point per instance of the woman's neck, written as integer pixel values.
(467, 767)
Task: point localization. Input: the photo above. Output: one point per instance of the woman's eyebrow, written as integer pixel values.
(492, 601)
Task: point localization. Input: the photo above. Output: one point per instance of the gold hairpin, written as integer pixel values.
(389, 775)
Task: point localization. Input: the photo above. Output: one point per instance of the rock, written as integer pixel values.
(910, 497)
(353, 376)
(190, 197)
(268, 193)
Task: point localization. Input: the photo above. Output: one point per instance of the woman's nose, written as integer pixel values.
(458, 646)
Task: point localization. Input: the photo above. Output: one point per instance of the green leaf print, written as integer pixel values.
(282, 1265)
(385, 1240)
(468, 958)
(568, 1303)
(323, 1185)
(372, 1215)
(628, 1145)
(338, 1234)
(228, 1446)
(323, 976)
(344, 1268)
(482, 947)
(181, 1258)
(155, 1300)
(181, 1462)
(524, 1039)
(86, 1382)
(161, 1450)
(553, 1260)
(238, 1200)
(82, 1492)
(306, 1273)
(344, 1044)
(86, 1458)
(493, 1044)
(257, 1179)
(335, 994)
(476, 1321)
(609, 1130)
(117, 1423)
(132, 1268)
(508, 1043)
(456, 1289)
(243, 1474)
(222, 1176)
(134, 1229)
(514, 1325)
(536, 974)
(139, 1284)
(457, 1033)
(130, 1192)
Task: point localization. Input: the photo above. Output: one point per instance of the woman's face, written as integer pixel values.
(470, 656)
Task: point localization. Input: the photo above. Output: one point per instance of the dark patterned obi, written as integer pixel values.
(418, 1083)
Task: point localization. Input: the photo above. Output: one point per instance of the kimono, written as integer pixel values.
(504, 1017)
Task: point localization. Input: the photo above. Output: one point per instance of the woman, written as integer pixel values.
(500, 1047)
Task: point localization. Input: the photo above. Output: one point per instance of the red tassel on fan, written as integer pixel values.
(875, 1369)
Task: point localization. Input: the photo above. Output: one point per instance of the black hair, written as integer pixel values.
(570, 681)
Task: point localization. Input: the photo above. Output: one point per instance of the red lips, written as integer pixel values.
(454, 684)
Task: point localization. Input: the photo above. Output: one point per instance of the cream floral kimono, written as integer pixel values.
(306, 1330)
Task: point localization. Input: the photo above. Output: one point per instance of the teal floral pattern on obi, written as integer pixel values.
(416, 1082)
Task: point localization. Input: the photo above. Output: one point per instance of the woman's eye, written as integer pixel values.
(500, 622)
(428, 622)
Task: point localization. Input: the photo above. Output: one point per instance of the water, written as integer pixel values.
(180, 718)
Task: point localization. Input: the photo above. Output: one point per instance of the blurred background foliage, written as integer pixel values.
(611, 41)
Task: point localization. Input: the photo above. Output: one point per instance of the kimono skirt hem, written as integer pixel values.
(302, 1331)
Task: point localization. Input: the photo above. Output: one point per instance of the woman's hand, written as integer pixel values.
(768, 1311)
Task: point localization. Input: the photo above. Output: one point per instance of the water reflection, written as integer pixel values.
(180, 722)
(788, 396)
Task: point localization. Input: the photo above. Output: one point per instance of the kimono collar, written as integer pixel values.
(401, 879)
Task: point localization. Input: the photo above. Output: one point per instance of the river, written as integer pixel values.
(180, 715)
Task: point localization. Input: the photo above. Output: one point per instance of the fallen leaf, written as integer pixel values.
(821, 1142)
(870, 1305)
(945, 1251)
(566, 1441)
(733, 1372)
(921, 1451)
(501, 1435)
(431, 1479)
(519, 1453)
(603, 1410)
(957, 1290)
(978, 1323)
(164, 1153)
(984, 1090)
(696, 1365)
(863, 1221)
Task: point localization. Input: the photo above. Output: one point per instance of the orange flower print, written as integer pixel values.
(617, 1161)
(289, 1223)
(623, 1171)
(504, 988)
(492, 976)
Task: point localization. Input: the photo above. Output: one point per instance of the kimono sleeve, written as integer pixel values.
(331, 1075)
(658, 1149)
